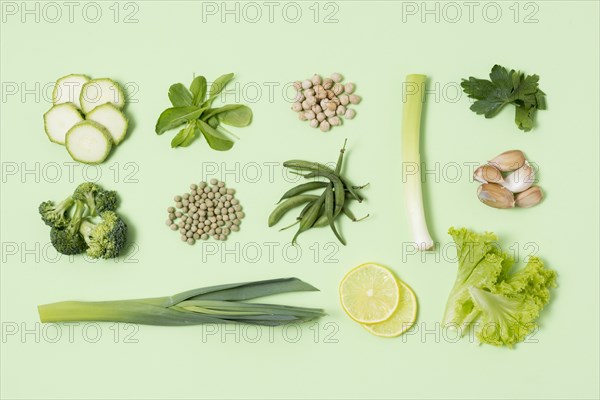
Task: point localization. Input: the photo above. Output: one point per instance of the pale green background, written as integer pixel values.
(372, 46)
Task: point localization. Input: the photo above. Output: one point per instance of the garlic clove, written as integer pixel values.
(488, 174)
(529, 197)
(495, 196)
(520, 180)
(510, 160)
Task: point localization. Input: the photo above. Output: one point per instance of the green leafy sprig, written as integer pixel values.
(193, 108)
(506, 87)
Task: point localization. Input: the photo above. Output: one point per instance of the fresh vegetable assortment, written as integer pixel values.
(86, 222)
(86, 117)
(499, 303)
(193, 108)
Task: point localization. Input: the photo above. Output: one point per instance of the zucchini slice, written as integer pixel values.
(101, 91)
(68, 89)
(112, 119)
(59, 119)
(88, 142)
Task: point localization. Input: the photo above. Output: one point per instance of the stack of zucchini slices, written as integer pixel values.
(86, 117)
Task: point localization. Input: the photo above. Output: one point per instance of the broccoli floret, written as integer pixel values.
(107, 238)
(68, 240)
(106, 200)
(54, 214)
(86, 192)
(97, 199)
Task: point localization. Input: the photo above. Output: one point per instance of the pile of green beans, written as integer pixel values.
(319, 210)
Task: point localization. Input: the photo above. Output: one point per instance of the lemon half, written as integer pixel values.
(369, 293)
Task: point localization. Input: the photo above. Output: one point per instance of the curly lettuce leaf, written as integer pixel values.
(508, 312)
(480, 264)
(500, 304)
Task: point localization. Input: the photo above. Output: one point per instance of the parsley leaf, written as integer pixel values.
(506, 87)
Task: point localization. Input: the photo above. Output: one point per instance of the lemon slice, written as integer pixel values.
(369, 293)
(402, 319)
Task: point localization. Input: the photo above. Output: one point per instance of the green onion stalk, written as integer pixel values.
(411, 128)
(214, 304)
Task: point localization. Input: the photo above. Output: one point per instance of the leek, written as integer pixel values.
(411, 127)
(215, 304)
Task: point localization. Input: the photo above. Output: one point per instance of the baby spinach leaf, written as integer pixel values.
(219, 84)
(239, 117)
(215, 139)
(180, 96)
(214, 111)
(176, 116)
(185, 136)
(216, 88)
(198, 88)
(194, 133)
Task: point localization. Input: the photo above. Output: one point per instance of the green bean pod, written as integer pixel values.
(305, 209)
(311, 216)
(330, 210)
(338, 165)
(307, 166)
(287, 205)
(302, 188)
(347, 187)
(348, 213)
(321, 222)
(333, 177)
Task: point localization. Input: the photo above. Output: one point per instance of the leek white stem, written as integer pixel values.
(411, 126)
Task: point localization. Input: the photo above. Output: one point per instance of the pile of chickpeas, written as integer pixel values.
(323, 102)
(207, 210)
